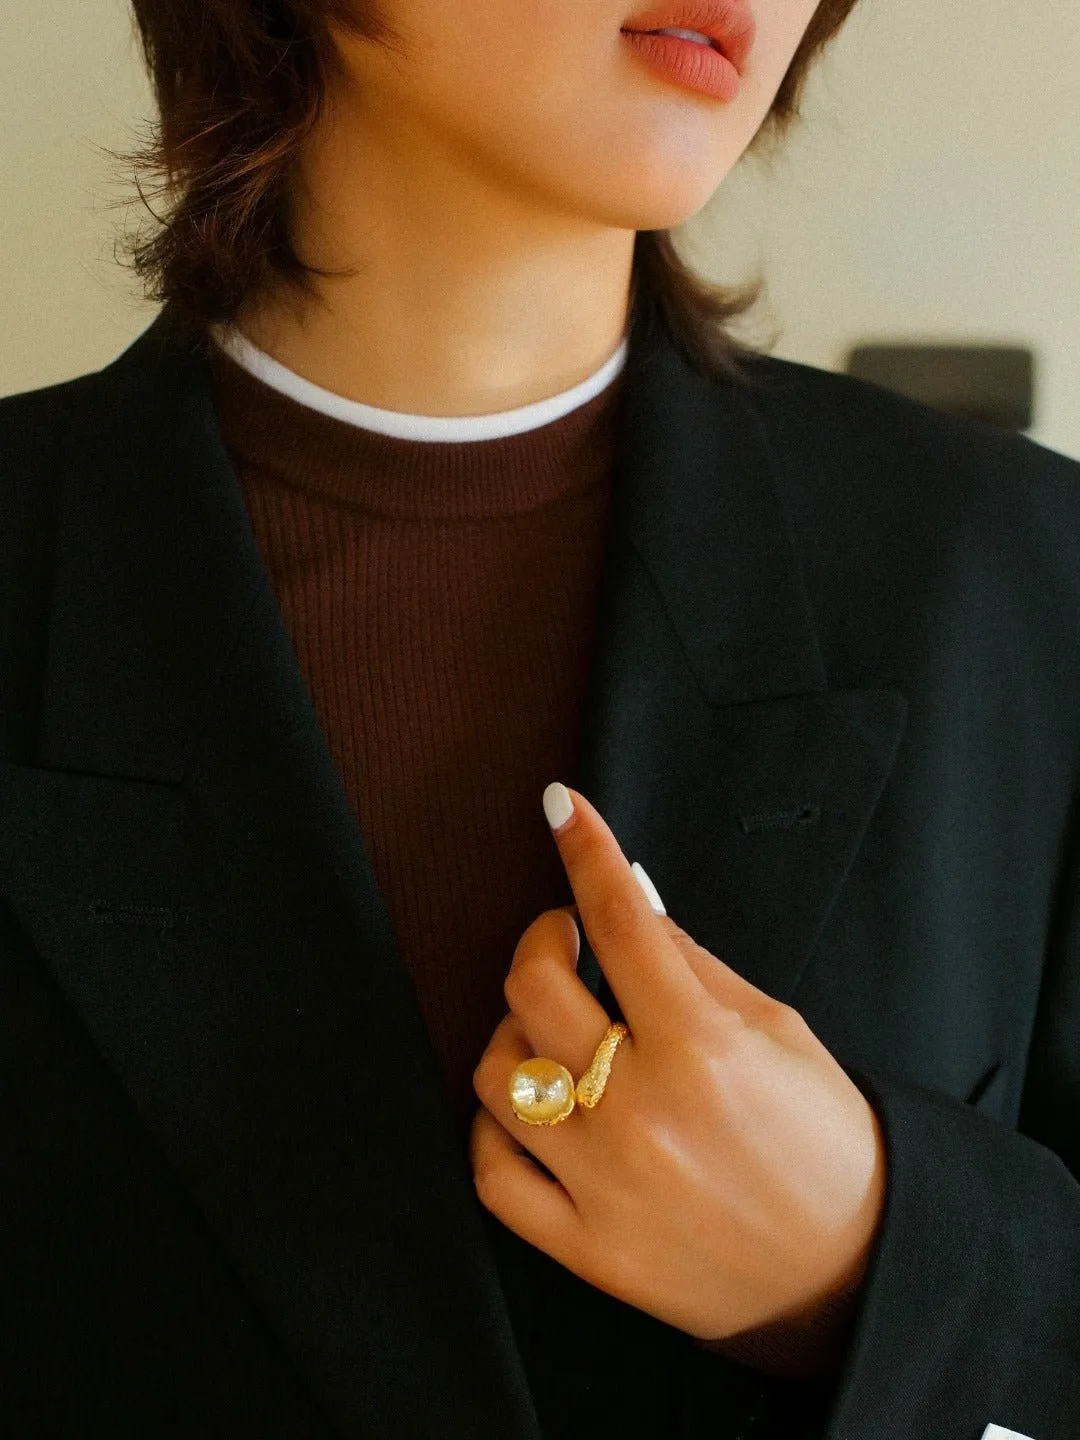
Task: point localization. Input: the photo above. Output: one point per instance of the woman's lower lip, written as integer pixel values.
(686, 63)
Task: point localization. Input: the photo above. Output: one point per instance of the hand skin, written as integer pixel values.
(732, 1175)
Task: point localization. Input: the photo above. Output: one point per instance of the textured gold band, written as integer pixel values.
(542, 1092)
(591, 1085)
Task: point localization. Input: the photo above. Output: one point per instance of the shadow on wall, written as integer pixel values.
(990, 383)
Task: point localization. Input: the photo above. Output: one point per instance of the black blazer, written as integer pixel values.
(834, 710)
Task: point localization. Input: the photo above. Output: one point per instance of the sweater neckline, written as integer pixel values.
(403, 425)
(272, 437)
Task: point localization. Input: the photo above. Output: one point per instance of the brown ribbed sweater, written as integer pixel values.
(441, 599)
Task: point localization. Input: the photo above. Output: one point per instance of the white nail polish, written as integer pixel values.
(558, 807)
(650, 889)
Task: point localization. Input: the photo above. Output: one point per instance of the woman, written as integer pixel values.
(438, 483)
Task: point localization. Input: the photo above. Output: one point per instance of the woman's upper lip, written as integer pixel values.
(729, 24)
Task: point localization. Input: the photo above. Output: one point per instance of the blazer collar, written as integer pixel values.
(186, 861)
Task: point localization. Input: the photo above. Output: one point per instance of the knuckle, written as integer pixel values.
(615, 917)
(724, 1047)
(541, 947)
(527, 979)
(485, 1182)
(731, 1028)
(484, 1078)
(786, 1022)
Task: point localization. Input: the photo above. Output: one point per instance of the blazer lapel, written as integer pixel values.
(184, 857)
(711, 742)
(182, 853)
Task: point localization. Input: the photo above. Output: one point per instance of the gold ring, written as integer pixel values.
(542, 1092)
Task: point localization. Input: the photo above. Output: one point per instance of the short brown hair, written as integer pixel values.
(239, 84)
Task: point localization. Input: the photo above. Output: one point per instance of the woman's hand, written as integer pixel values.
(731, 1175)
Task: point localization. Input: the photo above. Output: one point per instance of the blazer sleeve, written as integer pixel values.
(968, 1317)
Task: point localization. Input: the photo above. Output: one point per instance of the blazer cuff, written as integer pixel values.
(968, 1314)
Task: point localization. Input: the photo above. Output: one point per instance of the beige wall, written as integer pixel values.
(932, 194)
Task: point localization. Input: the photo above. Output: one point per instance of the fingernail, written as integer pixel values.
(558, 807)
(650, 889)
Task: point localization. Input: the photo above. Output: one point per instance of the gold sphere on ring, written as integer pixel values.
(542, 1091)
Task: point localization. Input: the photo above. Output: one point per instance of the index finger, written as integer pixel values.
(648, 974)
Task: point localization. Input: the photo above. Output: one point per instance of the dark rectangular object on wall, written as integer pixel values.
(991, 383)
